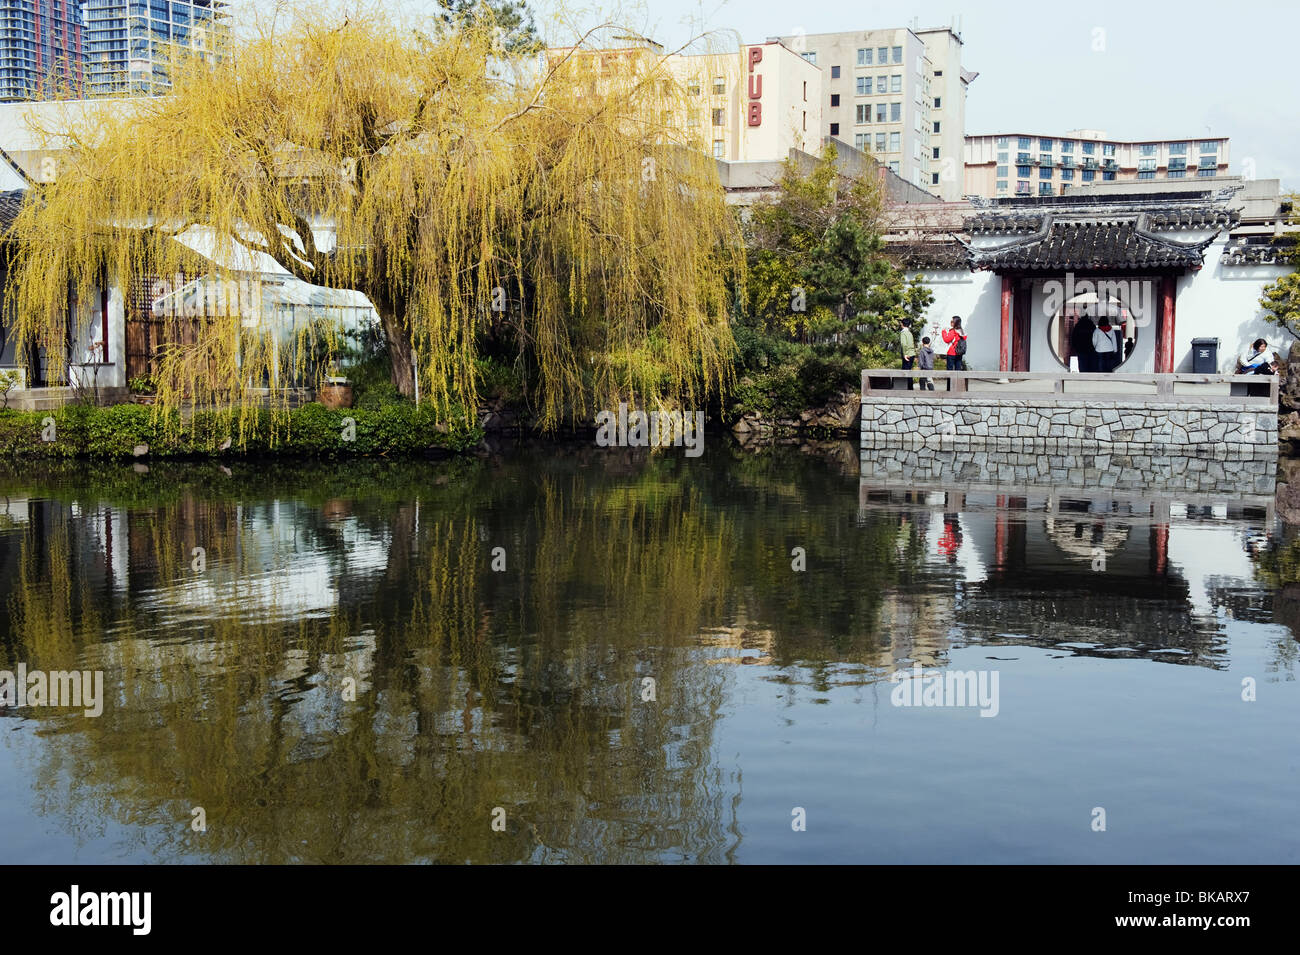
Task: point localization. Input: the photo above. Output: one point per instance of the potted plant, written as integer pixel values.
(336, 391)
(143, 389)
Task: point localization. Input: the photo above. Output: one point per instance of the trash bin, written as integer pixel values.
(1205, 356)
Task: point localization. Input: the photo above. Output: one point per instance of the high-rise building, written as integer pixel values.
(1032, 164)
(129, 42)
(40, 49)
(899, 94)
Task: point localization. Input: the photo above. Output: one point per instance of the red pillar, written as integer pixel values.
(1004, 351)
(1165, 343)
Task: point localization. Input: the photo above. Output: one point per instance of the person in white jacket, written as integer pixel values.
(1106, 343)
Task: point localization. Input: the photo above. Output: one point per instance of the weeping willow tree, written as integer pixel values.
(544, 206)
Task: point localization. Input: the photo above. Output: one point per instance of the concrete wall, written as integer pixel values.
(976, 297)
(1062, 425)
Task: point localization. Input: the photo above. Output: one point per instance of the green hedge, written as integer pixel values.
(85, 431)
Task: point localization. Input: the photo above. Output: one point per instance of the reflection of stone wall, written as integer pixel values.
(1114, 471)
(1060, 425)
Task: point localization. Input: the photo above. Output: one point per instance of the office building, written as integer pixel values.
(130, 42)
(40, 49)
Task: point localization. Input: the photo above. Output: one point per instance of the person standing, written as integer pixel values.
(1081, 343)
(925, 361)
(955, 338)
(1105, 342)
(907, 345)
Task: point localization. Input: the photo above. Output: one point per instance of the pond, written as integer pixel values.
(577, 654)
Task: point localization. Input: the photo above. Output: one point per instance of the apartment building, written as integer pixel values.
(129, 42)
(1032, 164)
(40, 49)
(899, 94)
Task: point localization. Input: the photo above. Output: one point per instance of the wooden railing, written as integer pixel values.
(978, 385)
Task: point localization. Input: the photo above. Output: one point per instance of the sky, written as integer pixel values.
(1136, 69)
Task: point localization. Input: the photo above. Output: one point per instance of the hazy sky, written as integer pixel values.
(1168, 70)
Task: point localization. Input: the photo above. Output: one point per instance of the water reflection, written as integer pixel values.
(360, 662)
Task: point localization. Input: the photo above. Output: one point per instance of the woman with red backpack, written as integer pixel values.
(956, 341)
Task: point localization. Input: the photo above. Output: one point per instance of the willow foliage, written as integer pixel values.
(545, 206)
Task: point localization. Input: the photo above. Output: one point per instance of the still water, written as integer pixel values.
(599, 655)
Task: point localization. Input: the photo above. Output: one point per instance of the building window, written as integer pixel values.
(934, 154)
(938, 102)
(1146, 165)
(811, 57)
(719, 85)
(1044, 143)
(1023, 143)
(805, 121)
(1178, 149)
(693, 87)
(1147, 174)
(1002, 156)
(880, 113)
(835, 129)
(938, 72)
(936, 126)
(934, 179)
(805, 91)
(1088, 175)
(1089, 149)
(1045, 189)
(1067, 161)
(1067, 174)
(1002, 171)
(835, 99)
(1176, 164)
(880, 142)
(1108, 149)
(864, 85)
(1044, 172)
(719, 149)
(881, 80)
(862, 141)
(835, 72)
(1022, 187)
(1002, 185)
(1001, 142)
(882, 55)
(1022, 171)
(893, 167)
(1045, 159)
(863, 113)
(897, 55)
(1022, 158)
(1107, 176)
(1067, 146)
(719, 117)
(895, 112)
(1147, 149)
(895, 142)
(864, 56)
(1206, 172)
(896, 83)
(1209, 147)
(1177, 173)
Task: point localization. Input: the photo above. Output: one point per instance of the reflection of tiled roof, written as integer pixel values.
(1093, 244)
(10, 204)
(939, 255)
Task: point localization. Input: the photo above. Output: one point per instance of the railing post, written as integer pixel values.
(866, 383)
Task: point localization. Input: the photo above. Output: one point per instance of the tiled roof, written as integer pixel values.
(934, 255)
(1093, 244)
(1260, 250)
(10, 204)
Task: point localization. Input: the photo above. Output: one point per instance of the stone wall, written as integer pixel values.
(1064, 425)
(1200, 473)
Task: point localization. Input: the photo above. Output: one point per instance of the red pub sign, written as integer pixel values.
(755, 87)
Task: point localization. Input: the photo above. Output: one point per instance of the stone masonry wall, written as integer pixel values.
(1063, 425)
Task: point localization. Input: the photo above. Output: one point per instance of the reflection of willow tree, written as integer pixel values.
(475, 689)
